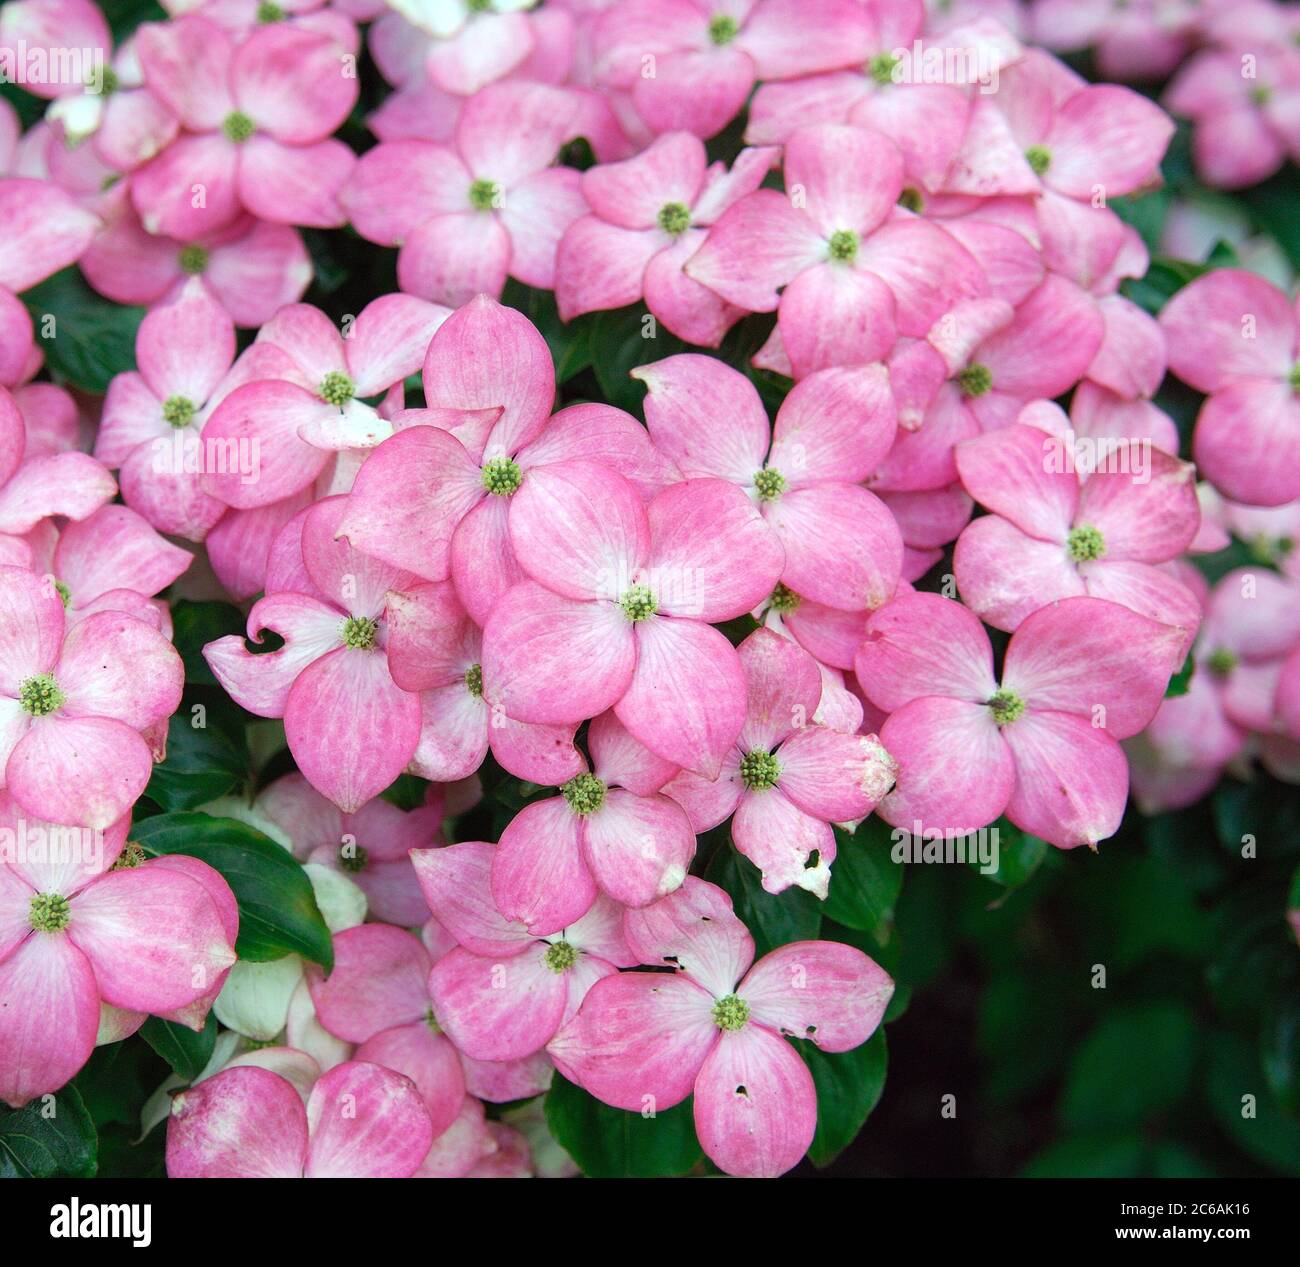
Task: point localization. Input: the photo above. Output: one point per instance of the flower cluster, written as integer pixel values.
(891, 390)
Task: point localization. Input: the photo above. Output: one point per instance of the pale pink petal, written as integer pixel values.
(639, 1040)
(638, 847)
(824, 991)
(832, 314)
(955, 771)
(295, 184)
(1071, 779)
(366, 1122)
(539, 875)
(379, 980)
(788, 846)
(755, 1104)
(456, 883)
(834, 426)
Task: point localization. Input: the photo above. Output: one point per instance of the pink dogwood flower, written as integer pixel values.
(1244, 126)
(706, 58)
(94, 95)
(1055, 533)
(1047, 131)
(1041, 745)
(360, 1122)
(368, 846)
(853, 271)
(1235, 336)
(716, 1027)
(650, 214)
(437, 499)
(256, 124)
(1142, 40)
(74, 701)
(309, 394)
(80, 933)
(842, 546)
(502, 994)
(492, 205)
(377, 996)
(617, 609)
(787, 779)
(610, 831)
(251, 268)
(351, 728)
(461, 718)
(154, 418)
(471, 42)
(927, 121)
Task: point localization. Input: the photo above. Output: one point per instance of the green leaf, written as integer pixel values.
(772, 918)
(1242, 1104)
(1019, 855)
(1280, 1052)
(194, 625)
(52, 1136)
(865, 880)
(187, 1052)
(1135, 1064)
(90, 339)
(610, 1143)
(278, 914)
(849, 1085)
(1181, 681)
(202, 763)
(1163, 280)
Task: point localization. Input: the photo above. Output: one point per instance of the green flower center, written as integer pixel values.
(359, 632)
(674, 218)
(502, 476)
(785, 599)
(336, 388)
(64, 593)
(268, 13)
(106, 82)
(1261, 96)
(1039, 158)
(881, 68)
(194, 259)
(1085, 543)
(585, 793)
(723, 29)
(638, 603)
(49, 913)
(730, 1012)
(975, 380)
(1007, 707)
(759, 770)
(40, 695)
(432, 1021)
(560, 956)
(353, 858)
(1295, 377)
(844, 246)
(912, 200)
(238, 126)
(132, 856)
(1221, 662)
(770, 484)
(484, 195)
(478, 6)
(474, 680)
(178, 412)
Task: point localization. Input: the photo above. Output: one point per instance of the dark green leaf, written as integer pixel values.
(611, 1143)
(772, 918)
(1244, 1107)
(278, 914)
(86, 339)
(865, 880)
(1019, 855)
(52, 1136)
(187, 1052)
(1181, 681)
(202, 763)
(1135, 1063)
(849, 1085)
(197, 624)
